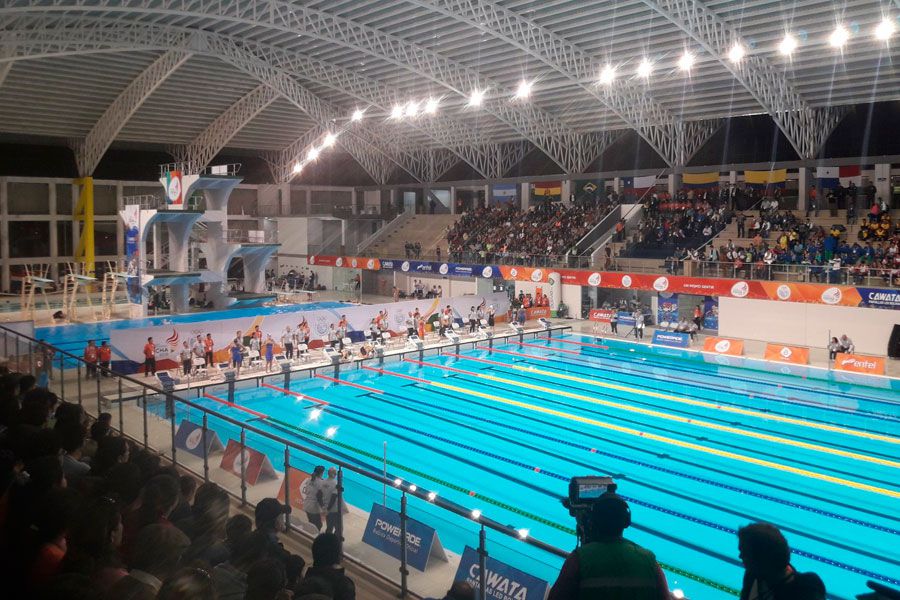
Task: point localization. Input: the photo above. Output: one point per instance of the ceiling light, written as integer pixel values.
(737, 52)
(524, 90)
(686, 61)
(329, 140)
(607, 75)
(357, 115)
(787, 45)
(885, 29)
(839, 36)
(313, 154)
(297, 168)
(397, 111)
(431, 106)
(645, 68)
(412, 109)
(476, 97)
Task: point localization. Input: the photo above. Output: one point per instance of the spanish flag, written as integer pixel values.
(766, 179)
(700, 180)
(547, 188)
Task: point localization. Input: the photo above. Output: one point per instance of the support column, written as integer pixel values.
(354, 209)
(566, 192)
(308, 199)
(4, 237)
(54, 234)
(732, 177)
(674, 183)
(487, 195)
(120, 224)
(802, 187)
(617, 184)
(393, 192)
(525, 199)
(452, 199)
(882, 183)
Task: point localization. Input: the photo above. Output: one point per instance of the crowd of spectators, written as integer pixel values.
(505, 233)
(85, 515)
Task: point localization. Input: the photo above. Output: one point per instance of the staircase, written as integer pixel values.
(428, 230)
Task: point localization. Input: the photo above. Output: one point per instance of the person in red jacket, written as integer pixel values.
(90, 359)
(105, 355)
(149, 358)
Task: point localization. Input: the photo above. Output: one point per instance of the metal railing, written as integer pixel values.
(393, 225)
(187, 168)
(258, 236)
(69, 376)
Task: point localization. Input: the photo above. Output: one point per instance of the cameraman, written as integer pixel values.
(608, 566)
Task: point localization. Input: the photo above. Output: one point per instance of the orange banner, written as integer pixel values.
(724, 346)
(788, 354)
(859, 363)
(299, 484)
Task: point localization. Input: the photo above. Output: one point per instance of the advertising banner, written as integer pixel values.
(349, 262)
(383, 533)
(667, 308)
(298, 483)
(600, 315)
(625, 318)
(502, 581)
(524, 274)
(256, 465)
(671, 338)
(724, 346)
(131, 214)
(859, 363)
(174, 190)
(189, 438)
(788, 354)
(711, 313)
(876, 298)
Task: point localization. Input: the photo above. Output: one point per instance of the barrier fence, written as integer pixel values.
(187, 434)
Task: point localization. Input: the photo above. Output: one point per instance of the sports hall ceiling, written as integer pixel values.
(275, 76)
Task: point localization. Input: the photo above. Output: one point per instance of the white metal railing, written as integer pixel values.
(390, 227)
(229, 170)
(252, 236)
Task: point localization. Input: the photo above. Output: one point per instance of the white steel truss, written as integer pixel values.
(653, 122)
(559, 142)
(806, 128)
(90, 150)
(281, 163)
(201, 151)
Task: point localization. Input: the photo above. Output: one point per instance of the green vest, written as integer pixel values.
(617, 570)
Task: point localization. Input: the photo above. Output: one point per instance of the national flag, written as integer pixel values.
(700, 180)
(638, 186)
(832, 177)
(501, 193)
(766, 179)
(547, 188)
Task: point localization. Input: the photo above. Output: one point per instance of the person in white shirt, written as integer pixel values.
(847, 344)
(287, 342)
(473, 320)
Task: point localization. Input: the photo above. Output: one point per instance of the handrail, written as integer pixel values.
(598, 230)
(394, 224)
(407, 487)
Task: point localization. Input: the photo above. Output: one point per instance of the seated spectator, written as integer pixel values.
(188, 584)
(187, 487)
(327, 569)
(157, 552)
(834, 346)
(111, 450)
(231, 576)
(236, 529)
(768, 571)
(158, 499)
(847, 344)
(208, 543)
(100, 428)
(93, 542)
(266, 580)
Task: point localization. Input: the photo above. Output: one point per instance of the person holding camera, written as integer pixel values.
(607, 565)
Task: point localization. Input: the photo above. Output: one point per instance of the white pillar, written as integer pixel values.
(525, 198)
(487, 195)
(883, 183)
(4, 237)
(308, 199)
(732, 177)
(802, 187)
(394, 200)
(617, 184)
(353, 208)
(452, 199)
(566, 191)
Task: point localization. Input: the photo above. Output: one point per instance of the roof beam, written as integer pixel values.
(91, 149)
(201, 151)
(544, 130)
(805, 127)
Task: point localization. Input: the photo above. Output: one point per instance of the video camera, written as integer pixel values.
(584, 493)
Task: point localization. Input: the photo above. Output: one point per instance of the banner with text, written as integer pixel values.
(667, 308)
(859, 363)
(501, 581)
(671, 338)
(724, 346)
(131, 215)
(383, 533)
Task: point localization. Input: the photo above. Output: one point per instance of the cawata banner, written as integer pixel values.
(858, 363)
(600, 315)
(723, 346)
(788, 354)
(501, 581)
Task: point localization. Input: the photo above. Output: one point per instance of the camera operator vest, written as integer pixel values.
(617, 570)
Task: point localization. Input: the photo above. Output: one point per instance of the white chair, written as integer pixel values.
(385, 338)
(200, 367)
(253, 359)
(302, 352)
(347, 342)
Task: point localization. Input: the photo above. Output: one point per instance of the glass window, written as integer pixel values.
(28, 198)
(106, 239)
(104, 200)
(64, 239)
(64, 199)
(28, 239)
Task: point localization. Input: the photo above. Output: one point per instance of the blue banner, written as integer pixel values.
(383, 532)
(446, 269)
(879, 298)
(667, 308)
(671, 338)
(189, 438)
(501, 581)
(625, 318)
(711, 313)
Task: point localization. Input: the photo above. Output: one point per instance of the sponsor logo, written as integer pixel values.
(723, 360)
(786, 352)
(857, 363)
(444, 269)
(887, 298)
(740, 289)
(723, 346)
(786, 370)
(241, 461)
(312, 259)
(594, 279)
(370, 264)
(498, 585)
(193, 439)
(339, 262)
(387, 264)
(405, 266)
(172, 340)
(394, 531)
(661, 284)
(783, 292)
(426, 267)
(626, 281)
(832, 295)
(514, 272)
(353, 262)
(536, 275)
(174, 188)
(487, 272)
(321, 325)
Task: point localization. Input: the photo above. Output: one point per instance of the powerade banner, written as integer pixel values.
(132, 217)
(501, 581)
(625, 318)
(711, 313)
(812, 293)
(671, 338)
(667, 308)
(383, 533)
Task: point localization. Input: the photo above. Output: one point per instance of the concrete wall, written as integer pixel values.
(806, 324)
(452, 286)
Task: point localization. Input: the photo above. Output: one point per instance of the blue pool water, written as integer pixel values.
(698, 450)
(73, 338)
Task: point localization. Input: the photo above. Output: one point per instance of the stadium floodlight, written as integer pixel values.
(524, 90)
(645, 68)
(431, 106)
(885, 29)
(476, 514)
(839, 37)
(313, 154)
(607, 75)
(330, 139)
(476, 97)
(686, 62)
(297, 168)
(330, 432)
(357, 115)
(397, 111)
(787, 45)
(412, 109)
(737, 52)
